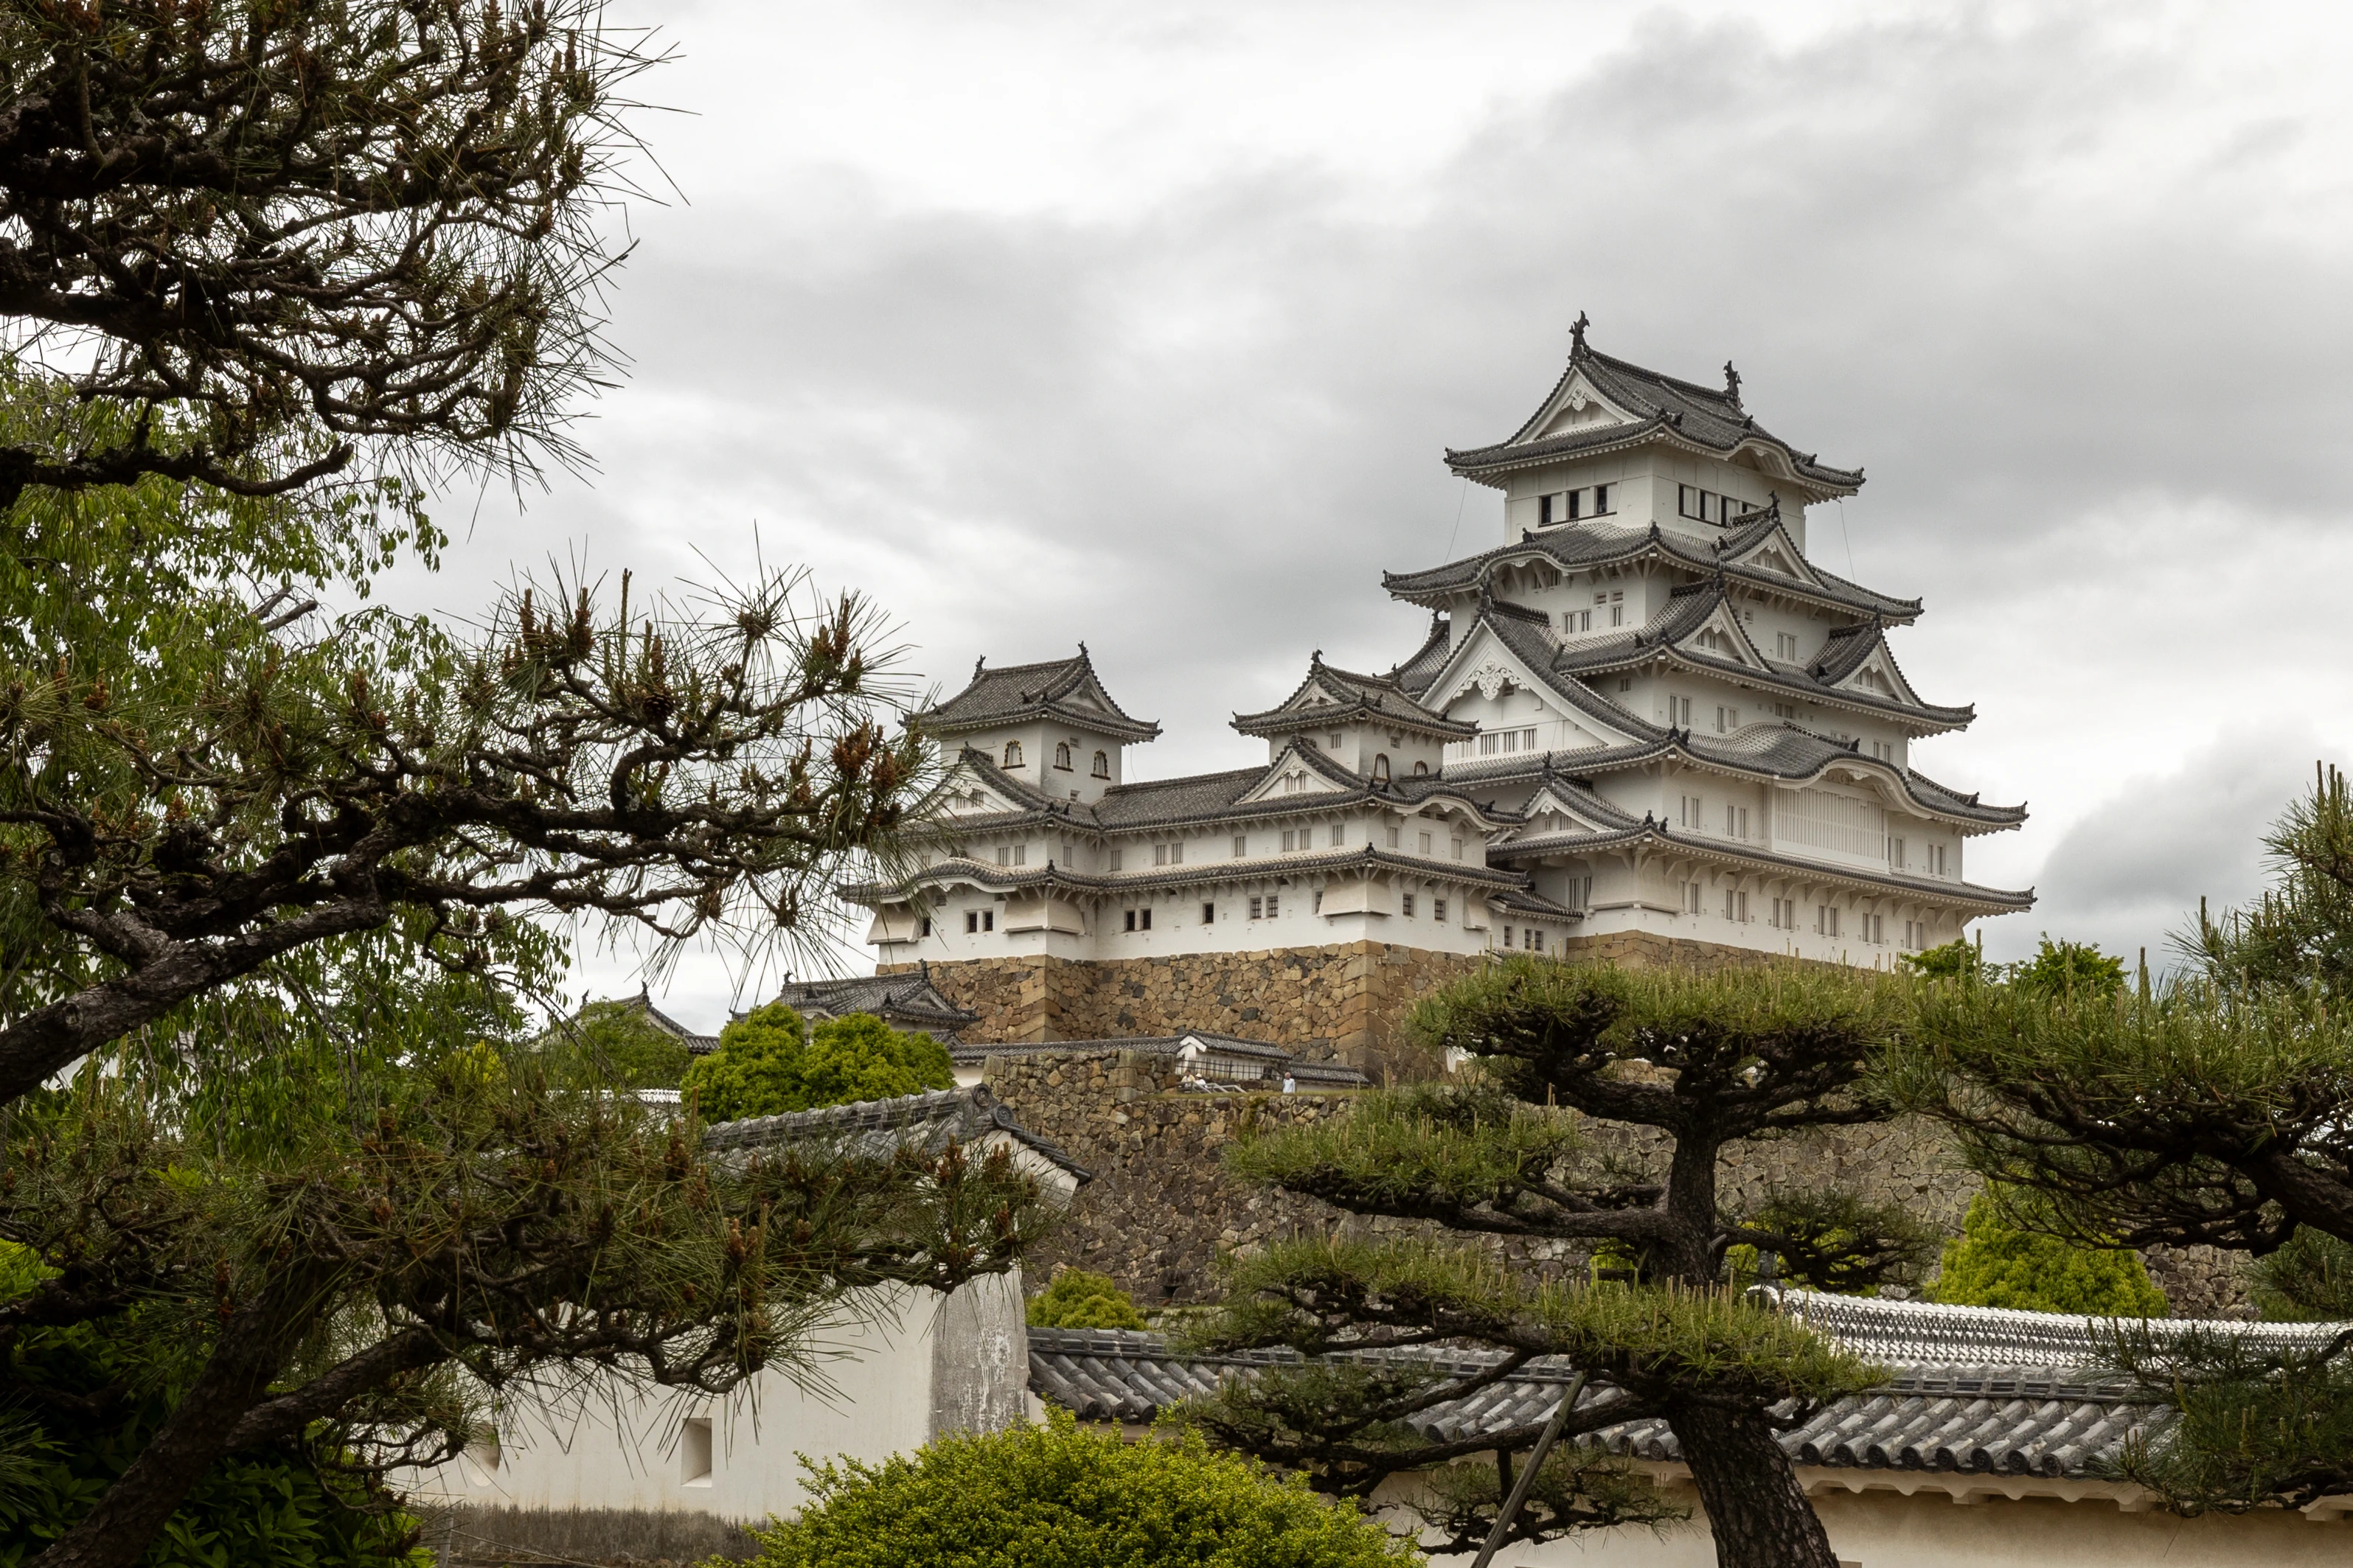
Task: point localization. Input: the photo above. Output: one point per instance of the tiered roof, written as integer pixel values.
(907, 1001)
(925, 1123)
(1068, 690)
(1649, 408)
(1782, 750)
(1757, 553)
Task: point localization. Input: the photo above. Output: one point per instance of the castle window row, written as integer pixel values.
(1707, 506)
(1569, 506)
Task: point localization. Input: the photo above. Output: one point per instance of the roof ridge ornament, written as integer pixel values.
(1732, 385)
(1577, 348)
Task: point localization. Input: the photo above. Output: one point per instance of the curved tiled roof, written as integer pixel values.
(1706, 420)
(1032, 879)
(1350, 696)
(1065, 688)
(927, 1121)
(1418, 669)
(1588, 545)
(891, 997)
(1968, 1389)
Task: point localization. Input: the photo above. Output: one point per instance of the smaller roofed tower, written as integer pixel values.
(1615, 441)
(1365, 724)
(1052, 726)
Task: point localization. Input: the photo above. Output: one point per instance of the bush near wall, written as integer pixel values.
(1996, 1264)
(1059, 1495)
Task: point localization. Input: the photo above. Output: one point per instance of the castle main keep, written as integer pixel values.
(1645, 725)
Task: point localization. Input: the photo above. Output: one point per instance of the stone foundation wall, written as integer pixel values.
(1162, 1208)
(1344, 1003)
(1347, 1002)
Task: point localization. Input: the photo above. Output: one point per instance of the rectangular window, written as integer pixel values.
(1736, 907)
(1457, 845)
(1785, 647)
(1209, 914)
(1679, 712)
(1396, 836)
(1021, 854)
(1423, 842)
(1317, 907)
(1438, 910)
(1687, 501)
(1735, 821)
(1508, 936)
(1116, 856)
(1070, 856)
(1602, 499)
(1572, 621)
(1335, 738)
(1895, 854)
(1004, 854)
(1543, 510)
(1270, 904)
(1143, 919)
(924, 926)
(1784, 711)
(1340, 836)
(694, 1452)
(1405, 904)
(1618, 609)
(1131, 919)
(1535, 940)
(1242, 845)
(1160, 854)
(1256, 906)
(971, 921)
(1287, 837)
(1575, 500)
(1826, 920)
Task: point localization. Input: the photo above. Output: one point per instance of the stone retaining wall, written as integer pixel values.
(1163, 1209)
(1346, 1003)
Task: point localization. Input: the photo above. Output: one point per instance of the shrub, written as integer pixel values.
(768, 1062)
(1060, 1496)
(1995, 1264)
(1077, 1300)
(2070, 968)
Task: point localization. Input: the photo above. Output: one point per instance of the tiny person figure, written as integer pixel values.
(1290, 1084)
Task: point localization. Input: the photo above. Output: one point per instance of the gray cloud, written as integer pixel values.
(2129, 873)
(2070, 306)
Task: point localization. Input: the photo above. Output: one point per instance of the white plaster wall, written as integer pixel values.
(626, 1453)
(1928, 1529)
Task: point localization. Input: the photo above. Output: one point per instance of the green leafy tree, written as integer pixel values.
(1059, 1496)
(1958, 958)
(1995, 1262)
(769, 1062)
(2065, 968)
(1079, 1300)
(1696, 1064)
(616, 1040)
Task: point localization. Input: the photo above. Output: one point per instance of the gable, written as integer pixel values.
(1485, 667)
(1292, 775)
(1877, 676)
(1550, 810)
(1578, 406)
(1721, 636)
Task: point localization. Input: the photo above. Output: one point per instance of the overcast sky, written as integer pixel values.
(1146, 325)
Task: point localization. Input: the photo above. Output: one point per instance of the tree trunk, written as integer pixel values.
(1754, 1506)
(118, 1529)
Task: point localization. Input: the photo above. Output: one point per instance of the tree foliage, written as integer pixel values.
(1059, 1495)
(1701, 1062)
(261, 243)
(769, 1062)
(86, 1407)
(616, 1040)
(1995, 1262)
(2215, 1110)
(1077, 1299)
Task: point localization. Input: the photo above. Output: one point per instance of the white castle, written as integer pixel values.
(1645, 712)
